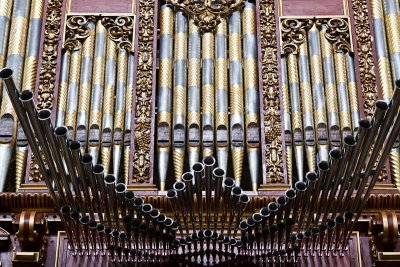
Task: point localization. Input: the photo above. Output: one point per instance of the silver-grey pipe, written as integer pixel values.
(218, 176)
(110, 182)
(98, 172)
(198, 170)
(208, 163)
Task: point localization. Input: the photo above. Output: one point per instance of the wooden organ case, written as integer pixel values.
(218, 132)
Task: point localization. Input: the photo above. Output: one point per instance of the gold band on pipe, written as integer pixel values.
(122, 73)
(109, 90)
(392, 22)
(394, 159)
(74, 78)
(341, 78)
(293, 75)
(21, 154)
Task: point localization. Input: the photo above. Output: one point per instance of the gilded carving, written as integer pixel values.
(76, 31)
(337, 33)
(294, 32)
(120, 30)
(270, 89)
(144, 85)
(365, 56)
(206, 13)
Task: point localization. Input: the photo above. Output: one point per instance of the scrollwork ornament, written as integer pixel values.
(120, 30)
(207, 13)
(270, 90)
(144, 85)
(338, 33)
(77, 31)
(294, 32)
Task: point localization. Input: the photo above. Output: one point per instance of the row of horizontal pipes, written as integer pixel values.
(20, 31)
(95, 99)
(320, 101)
(386, 27)
(211, 105)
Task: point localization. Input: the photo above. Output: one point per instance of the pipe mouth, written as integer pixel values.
(26, 95)
(264, 212)
(65, 210)
(273, 206)
(93, 225)
(281, 201)
(171, 193)
(311, 176)
(6, 73)
(365, 123)
(299, 236)
(85, 220)
(339, 220)
(138, 202)
(60, 131)
(87, 158)
(44, 114)
(250, 222)
(198, 167)
(348, 215)
(129, 195)
(229, 182)
(120, 188)
(75, 215)
(209, 161)
(122, 235)
(154, 213)
(98, 169)
(219, 172)
(323, 165)
(257, 217)
(74, 145)
(300, 186)
(243, 225)
(161, 218)
(290, 193)
(100, 227)
(187, 177)
(147, 207)
(244, 199)
(207, 233)
(331, 224)
(233, 241)
(115, 233)
(179, 186)
(110, 179)
(168, 222)
(350, 140)
(237, 190)
(382, 105)
(307, 234)
(335, 153)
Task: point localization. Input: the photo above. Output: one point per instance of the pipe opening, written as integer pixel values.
(229, 182)
(335, 153)
(98, 169)
(273, 206)
(290, 193)
(281, 200)
(74, 145)
(87, 158)
(138, 202)
(331, 224)
(115, 233)
(154, 213)
(365, 123)
(307, 233)
(129, 195)
(108, 230)
(350, 140)
(61, 130)
(120, 188)
(100, 227)
(44, 114)
(257, 217)
(110, 179)
(209, 161)
(6, 73)
(237, 190)
(85, 220)
(311, 176)
(75, 215)
(187, 176)
(380, 104)
(92, 225)
(244, 199)
(66, 209)
(219, 172)
(179, 186)
(122, 235)
(26, 95)
(264, 212)
(301, 186)
(339, 220)
(171, 193)
(198, 167)
(322, 228)
(323, 165)
(147, 208)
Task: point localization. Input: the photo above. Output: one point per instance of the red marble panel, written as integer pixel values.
(312, 7)
(101, 6)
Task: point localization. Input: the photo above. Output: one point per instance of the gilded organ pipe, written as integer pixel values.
(63, 88)
(165, 92)
(319, 99)
(236, 95)
(119, 110)
(221, 95)
(353, 94)
(307, 105)
(73, 90)
(96, 103)
(194, 103)
(15, 60)
(5, 17)
(297, 125)
(330, 90)
(179, 94)
(85, 87)
(128, 115)
(207, 94)
(252, 105)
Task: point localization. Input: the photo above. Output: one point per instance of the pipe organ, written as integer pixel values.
(219, 132)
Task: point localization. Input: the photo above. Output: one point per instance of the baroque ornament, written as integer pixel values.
(120, 30)
(294, 32)
(207, 13)
(270, 89)
(143, 97)
(77, 31)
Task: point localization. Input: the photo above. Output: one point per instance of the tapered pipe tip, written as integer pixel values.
(162, 186)
(6, 73)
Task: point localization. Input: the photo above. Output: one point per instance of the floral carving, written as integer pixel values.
(207, 13)
(120, 30)
(294, 32)
(270, 89)
(77, 31)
